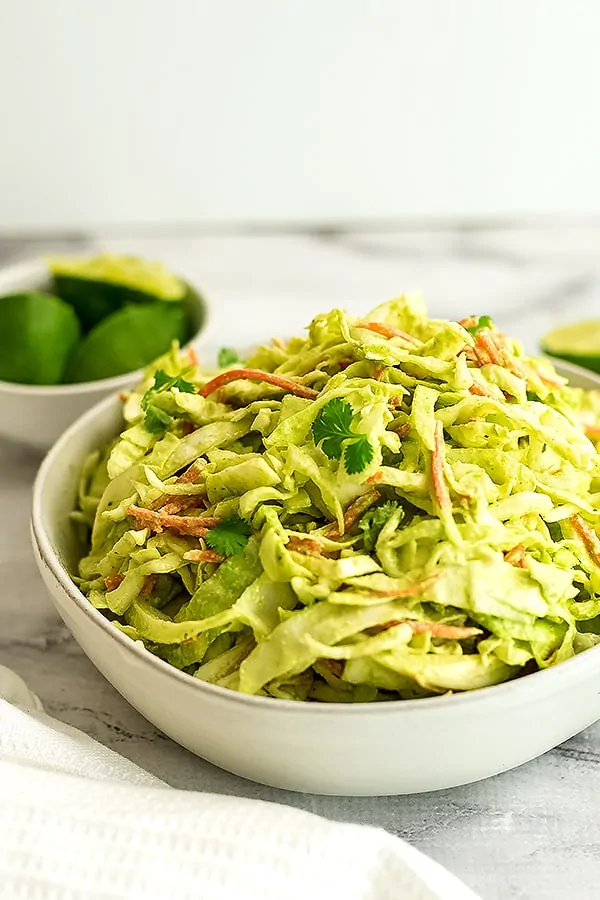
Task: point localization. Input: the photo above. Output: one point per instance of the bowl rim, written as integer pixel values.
(571, 670)
(34, 267)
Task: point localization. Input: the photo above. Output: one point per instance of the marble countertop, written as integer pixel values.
(530, 834)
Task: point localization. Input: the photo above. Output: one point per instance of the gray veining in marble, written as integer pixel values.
(531, 834)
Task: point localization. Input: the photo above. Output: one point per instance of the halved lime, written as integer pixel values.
(37, 334)
(578, 343)
(97, 287)
(127, 340)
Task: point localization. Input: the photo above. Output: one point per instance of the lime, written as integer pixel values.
(37, 334)
(127, 340)
(99, 286)
(578, 343)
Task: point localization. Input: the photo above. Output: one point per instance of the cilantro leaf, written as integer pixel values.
(229, 537)
(157, 420)
(482, 322)
(227, 357)
(164, 382)
(373, 521)
(358, 455)
(332, 427)
(332, 430)
(160, 380)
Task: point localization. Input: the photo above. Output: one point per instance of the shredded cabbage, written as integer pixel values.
(389, 508)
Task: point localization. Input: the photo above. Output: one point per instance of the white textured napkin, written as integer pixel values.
(79, 821)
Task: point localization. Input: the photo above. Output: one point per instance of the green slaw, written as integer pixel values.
(390, 508)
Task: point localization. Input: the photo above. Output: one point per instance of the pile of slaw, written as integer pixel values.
(389, 508)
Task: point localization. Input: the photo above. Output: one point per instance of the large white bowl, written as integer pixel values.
(37, 415)
(373, 749)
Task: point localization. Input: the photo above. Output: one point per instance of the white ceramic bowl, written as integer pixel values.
(373, 749)
(37, 414)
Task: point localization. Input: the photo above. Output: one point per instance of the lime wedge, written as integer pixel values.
(98, 287)
(37, 334)
(578, 343)
(127, 340)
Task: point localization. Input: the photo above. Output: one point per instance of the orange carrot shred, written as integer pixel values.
(158, 522)
(479, 391)
(308, 546)
(182, 504)
(487, 343)
(112, 582)
(388, 332)
(516, 556)
(285, 384)
(190, 476)
(353, 512)
(589, 537)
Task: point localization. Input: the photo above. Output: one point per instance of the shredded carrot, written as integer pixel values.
(479, 391)
(378, 373)
(290, 387)
(592, 431)
(112, 582)
(389, 332)
(122, 397)
(516, 556)
(191, 355)
(373, 479)
(436, 629)
(477, 356)
(395, 401)
(403, 430)
(486, 343)
(469, 322)
(204, 556)
(589, 537)
(190, 476)
(304, 545)
(353, 512)
(159, 522)
(516, 368)
(182, 504)
(440, 488)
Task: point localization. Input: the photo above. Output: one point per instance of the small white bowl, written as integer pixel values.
(362, 749)
(37, 415)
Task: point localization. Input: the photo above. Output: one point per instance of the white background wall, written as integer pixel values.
(174, 111)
